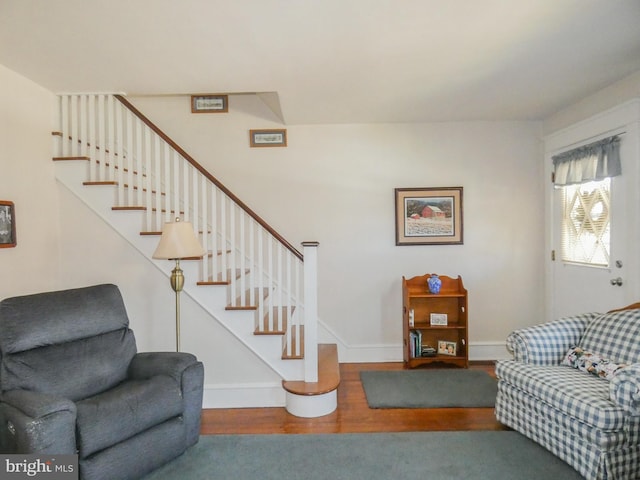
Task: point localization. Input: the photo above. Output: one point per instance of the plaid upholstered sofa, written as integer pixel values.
(573, 386)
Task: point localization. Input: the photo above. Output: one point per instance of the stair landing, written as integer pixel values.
(314, 399)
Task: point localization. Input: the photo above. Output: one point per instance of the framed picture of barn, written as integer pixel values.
(429, 216)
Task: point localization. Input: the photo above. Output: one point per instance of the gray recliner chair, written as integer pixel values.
(71, 382)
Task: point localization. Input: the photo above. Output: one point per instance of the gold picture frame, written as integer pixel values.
(428, 216)
(210, 103)
(274, 137)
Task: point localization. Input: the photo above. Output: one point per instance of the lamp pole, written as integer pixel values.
(177, 283)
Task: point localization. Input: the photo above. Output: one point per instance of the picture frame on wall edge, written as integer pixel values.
(7, 224)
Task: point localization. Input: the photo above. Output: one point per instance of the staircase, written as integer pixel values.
(251, 280)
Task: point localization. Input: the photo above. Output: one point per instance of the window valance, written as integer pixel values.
(595, 161)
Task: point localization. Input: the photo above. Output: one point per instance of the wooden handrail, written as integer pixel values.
(210, 177)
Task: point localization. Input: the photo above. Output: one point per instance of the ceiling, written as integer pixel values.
(333, 61)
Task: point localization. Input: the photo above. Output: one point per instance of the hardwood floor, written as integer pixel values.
(353, 415)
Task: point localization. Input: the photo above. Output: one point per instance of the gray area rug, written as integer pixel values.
(437, 388)
(480, 455)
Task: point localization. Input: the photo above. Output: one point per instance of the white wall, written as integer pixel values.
(335, 184)
(26, 178)
(609, 97)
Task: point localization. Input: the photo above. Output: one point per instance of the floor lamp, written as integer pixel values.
(178, 241)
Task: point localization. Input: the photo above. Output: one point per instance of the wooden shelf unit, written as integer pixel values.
(452, 301)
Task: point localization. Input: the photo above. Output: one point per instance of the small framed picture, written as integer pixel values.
(7, 224)
(438, 319)
(447, 348)
(268, 138)
(209, 103)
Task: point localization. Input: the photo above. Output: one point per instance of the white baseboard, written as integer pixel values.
(478, 351)
(249, 395)
(483, 351)
(262, 395)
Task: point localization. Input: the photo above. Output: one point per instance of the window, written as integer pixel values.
(585, 223)
(584, 175)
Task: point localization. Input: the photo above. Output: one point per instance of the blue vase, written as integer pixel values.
(434, 283)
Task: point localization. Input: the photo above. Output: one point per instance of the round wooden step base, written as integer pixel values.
(312, 406)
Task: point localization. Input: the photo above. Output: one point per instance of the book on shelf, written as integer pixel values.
(428, 351)
(415, 343)
(419, 349)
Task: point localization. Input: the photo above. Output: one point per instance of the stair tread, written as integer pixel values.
(205, 283)
(223, 279)
(328, 374)
(129, 208)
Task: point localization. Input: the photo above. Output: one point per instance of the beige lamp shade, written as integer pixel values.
(178, 241)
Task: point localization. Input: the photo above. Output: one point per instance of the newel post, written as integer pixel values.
(310, 252)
